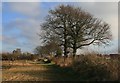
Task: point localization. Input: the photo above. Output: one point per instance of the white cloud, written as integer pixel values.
(29, 26)
(107, 11)
(27, 39)
(0, 37)
(9, 39)
(26, 8)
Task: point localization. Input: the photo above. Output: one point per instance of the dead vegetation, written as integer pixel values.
(93, 67)
(85, 67)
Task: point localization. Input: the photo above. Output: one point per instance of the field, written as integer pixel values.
(29, 71)
(83, 68)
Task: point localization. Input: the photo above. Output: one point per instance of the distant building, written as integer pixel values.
(17, 51)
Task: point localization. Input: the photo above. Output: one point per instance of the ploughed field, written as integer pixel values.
(31, 71)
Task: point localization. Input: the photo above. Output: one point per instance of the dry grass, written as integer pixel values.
(103, 68)
(77, 69)
(107, 68)
(21, 70)
(25, 71)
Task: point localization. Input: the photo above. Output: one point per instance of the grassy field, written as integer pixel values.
(28, 71)
(84, 68)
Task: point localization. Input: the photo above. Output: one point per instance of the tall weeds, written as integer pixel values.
(93, 67)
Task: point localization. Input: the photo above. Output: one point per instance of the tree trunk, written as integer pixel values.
(65, 42)
(74, 50)
(65, 50)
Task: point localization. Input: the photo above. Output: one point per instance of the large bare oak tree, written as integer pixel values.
(74, 28)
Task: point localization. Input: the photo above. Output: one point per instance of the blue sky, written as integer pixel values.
(21, 23)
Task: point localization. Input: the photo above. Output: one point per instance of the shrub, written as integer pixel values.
(89, 69)
(92, 66)
(7, 56)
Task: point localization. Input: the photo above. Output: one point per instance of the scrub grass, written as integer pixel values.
(28, 71)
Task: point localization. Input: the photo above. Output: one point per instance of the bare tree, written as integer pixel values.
(50, 48)
(56, 27)
(84, 29)
(75, 28)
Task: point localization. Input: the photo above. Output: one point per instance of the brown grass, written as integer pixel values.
(20, 70)
(109, 68)
(25, 71)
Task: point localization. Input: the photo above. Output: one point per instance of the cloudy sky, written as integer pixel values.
(21, 23)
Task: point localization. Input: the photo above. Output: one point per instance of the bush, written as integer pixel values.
(89, 69)
(92, 67)
(7, 56)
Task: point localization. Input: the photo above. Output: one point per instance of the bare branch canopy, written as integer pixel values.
(74, 28)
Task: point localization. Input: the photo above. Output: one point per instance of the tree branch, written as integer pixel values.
(86, 44)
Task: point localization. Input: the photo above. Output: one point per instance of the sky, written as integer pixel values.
(21, 22)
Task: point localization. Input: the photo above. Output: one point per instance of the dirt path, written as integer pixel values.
(37, 72)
